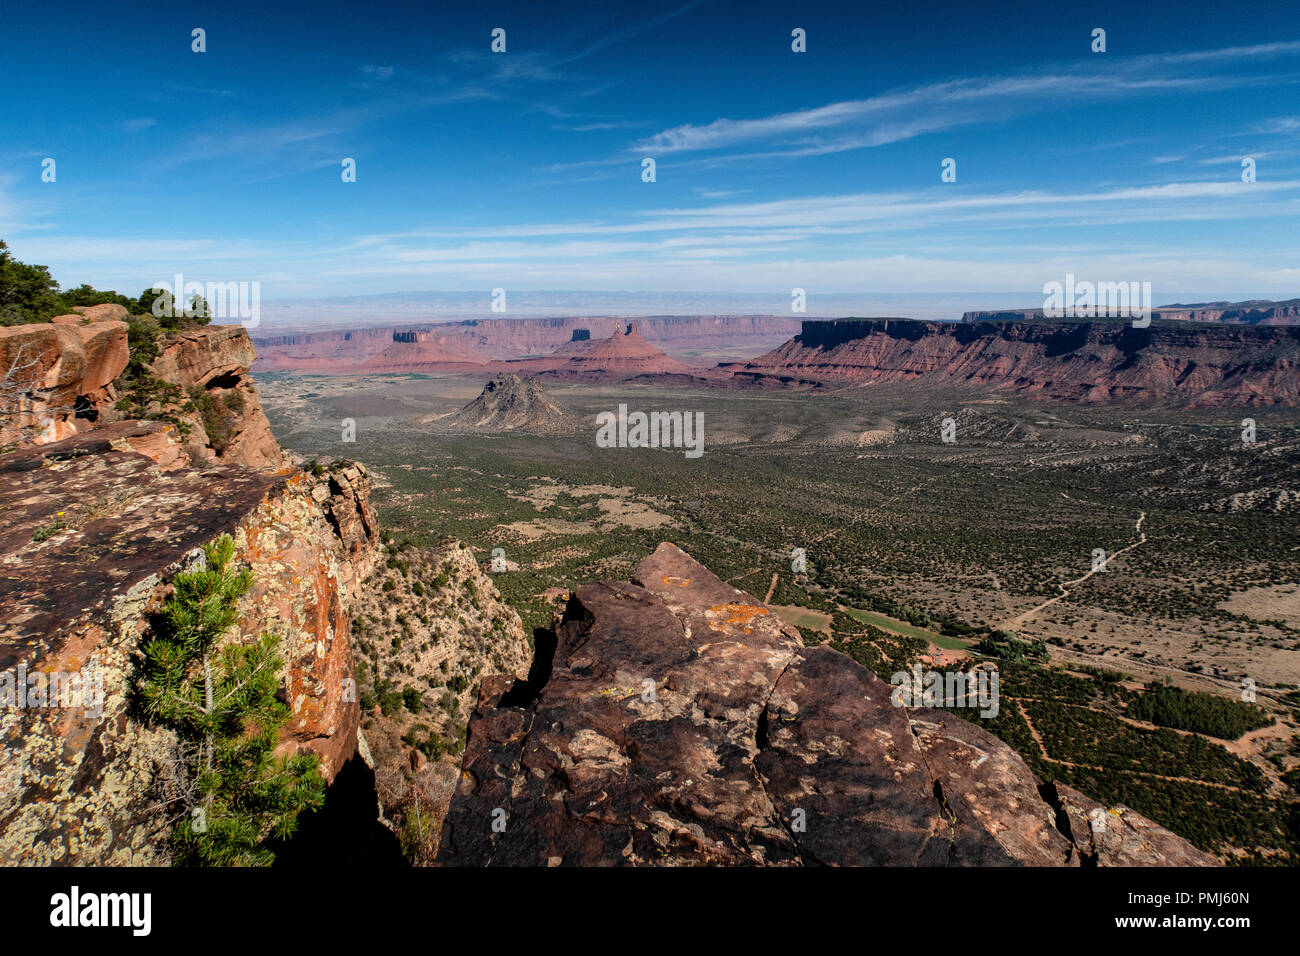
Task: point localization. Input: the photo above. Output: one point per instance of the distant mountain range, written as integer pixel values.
(1250, 312)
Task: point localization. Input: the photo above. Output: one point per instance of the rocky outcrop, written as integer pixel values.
(510, 403)
(211, 366)
(56, 378)
(675, 720)
(95, 528)
(65, 376)
(1196, 366)
(428, 625)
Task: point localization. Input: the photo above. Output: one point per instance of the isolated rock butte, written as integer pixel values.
(746, 727)
(624, 355)
(510, 403)
(77, 787)
(1196, 366)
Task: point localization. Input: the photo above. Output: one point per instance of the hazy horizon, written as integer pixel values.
(333, 312)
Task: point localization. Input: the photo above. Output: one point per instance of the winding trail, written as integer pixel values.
(1065, 588)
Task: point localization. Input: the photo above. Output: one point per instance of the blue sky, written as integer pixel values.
(775, 169)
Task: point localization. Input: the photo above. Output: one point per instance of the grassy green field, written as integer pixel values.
(887, 623)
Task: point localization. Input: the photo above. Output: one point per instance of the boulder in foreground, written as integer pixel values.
(675, 720)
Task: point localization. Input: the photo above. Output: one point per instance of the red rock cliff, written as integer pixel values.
(56, 377)
(96, 519)
(1200, 366)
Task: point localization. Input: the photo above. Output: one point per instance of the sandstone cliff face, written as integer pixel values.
(63, 377)
(679, 722)
(1195, 366)
(56, 378)
(211, 365)
(95, 528)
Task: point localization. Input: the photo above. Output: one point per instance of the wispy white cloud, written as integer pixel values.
(601, 127)
(1283, 125)
(904, 114)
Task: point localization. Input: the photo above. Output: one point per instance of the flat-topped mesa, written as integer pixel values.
(675, 720)
(1250, 312)
(1177, 364)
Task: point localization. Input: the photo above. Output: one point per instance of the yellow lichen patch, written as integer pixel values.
(673, 581)
(742, 615)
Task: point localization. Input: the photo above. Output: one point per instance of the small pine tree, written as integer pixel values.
(220, 700)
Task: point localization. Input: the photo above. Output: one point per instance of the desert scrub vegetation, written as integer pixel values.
(950, 539)
(1197, 711)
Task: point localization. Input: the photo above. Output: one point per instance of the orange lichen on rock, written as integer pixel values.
(741, 615)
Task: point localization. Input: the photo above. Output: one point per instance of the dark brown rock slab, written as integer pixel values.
(1120, 836)
(677, 721)
(89, 517)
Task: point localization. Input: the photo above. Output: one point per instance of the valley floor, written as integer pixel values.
(1135, 547)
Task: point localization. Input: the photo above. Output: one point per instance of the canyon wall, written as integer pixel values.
(1197, 366)
(452, 345)
(1253, 312)
(427, 625)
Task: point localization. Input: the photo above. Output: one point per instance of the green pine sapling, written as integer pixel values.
(220, 700)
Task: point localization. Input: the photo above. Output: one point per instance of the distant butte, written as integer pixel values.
(624, 355)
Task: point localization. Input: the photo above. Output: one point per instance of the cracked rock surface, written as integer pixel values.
(675, 720)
